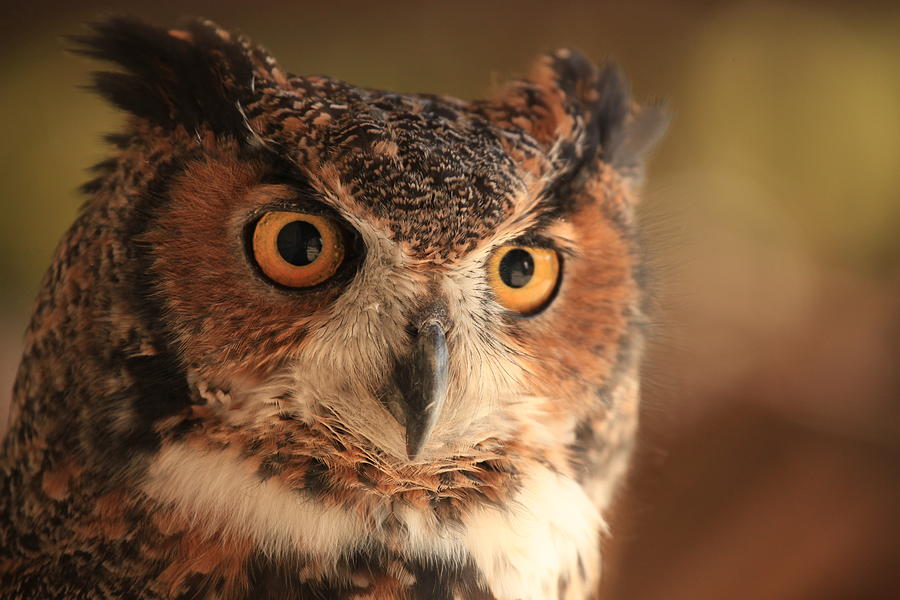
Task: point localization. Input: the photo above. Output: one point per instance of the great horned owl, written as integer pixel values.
(312, 340)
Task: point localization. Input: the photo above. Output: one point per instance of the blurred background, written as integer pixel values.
(769, 461)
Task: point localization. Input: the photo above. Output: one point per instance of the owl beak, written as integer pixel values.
(422, 383)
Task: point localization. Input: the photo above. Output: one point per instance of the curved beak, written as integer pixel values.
(422, 383)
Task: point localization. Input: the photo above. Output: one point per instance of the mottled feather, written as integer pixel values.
(184, 427)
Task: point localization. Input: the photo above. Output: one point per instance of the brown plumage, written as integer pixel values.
(188, 424)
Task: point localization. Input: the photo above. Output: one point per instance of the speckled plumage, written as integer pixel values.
(182, 428)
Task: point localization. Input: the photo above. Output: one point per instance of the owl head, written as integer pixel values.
(361, 283)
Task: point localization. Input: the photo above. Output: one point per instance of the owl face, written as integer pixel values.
(412, 269)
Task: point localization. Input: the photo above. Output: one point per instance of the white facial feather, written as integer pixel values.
(221, 492)
(550, 527)
(545, 532)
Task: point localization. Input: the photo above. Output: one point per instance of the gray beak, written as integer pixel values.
(422, 383)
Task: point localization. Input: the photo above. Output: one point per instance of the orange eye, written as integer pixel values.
(297, 250)
(524, 278)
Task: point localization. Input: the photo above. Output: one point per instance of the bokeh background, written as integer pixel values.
(769, 462)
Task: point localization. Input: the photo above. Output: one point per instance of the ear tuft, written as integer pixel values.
(568, 100)
(642, 131)
(194, 77)
(610, 111)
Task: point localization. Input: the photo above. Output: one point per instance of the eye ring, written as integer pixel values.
(524, 278)
(297, 250)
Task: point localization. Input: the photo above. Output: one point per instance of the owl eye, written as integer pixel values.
(524, 278)
(297, 250)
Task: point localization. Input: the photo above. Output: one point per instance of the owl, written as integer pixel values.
(312, 340)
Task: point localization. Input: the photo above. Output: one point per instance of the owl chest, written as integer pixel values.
(542, 544)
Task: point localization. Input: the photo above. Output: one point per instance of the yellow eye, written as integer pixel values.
(297, 250)
(524, 278)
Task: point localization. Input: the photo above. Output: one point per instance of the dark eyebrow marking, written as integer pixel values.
(305, 195)
(532, 238)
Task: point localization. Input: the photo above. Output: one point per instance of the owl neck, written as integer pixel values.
(96, 374)
(97, 371)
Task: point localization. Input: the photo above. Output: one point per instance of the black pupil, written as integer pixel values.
(299, 243)
(516, 268)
